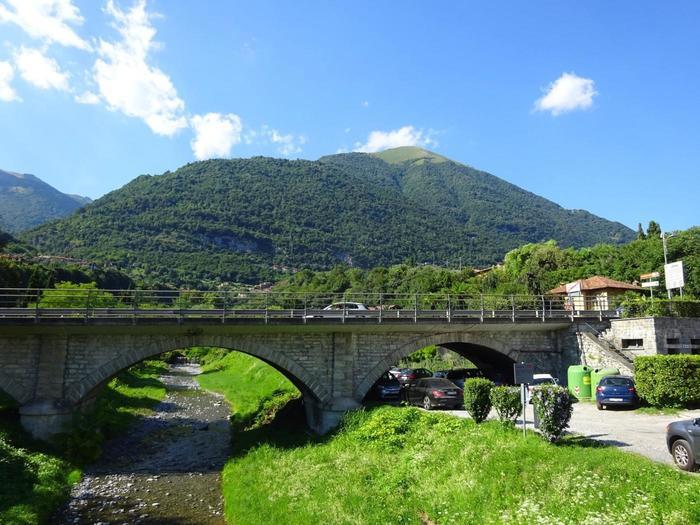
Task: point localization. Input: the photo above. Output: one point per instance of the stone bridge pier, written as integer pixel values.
(55, 371)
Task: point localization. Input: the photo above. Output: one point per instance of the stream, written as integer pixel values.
(166, 470)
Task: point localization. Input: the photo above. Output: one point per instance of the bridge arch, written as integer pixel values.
(467, 344)
(140, 349)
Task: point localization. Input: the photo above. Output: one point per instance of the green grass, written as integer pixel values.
(35, 477)
(659, 411)
(253, 389)
(399, 465)
(406, 153)
(34, 480)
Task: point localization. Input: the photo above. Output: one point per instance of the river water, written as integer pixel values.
(166, 470)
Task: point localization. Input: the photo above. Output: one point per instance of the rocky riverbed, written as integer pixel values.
(166, 470)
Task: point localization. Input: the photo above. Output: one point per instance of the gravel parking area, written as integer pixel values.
(630, 430)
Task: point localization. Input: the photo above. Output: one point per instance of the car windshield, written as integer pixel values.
(456, 374)
(617, 381)
(438, 382)
(542, 381)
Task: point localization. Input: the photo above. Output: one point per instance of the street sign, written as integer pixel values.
(522, 373)
(673, 274)
(652, 275)
(573, 288)
(650, 284)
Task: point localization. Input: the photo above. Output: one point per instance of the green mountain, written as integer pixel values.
(26, 201)
(248, 220)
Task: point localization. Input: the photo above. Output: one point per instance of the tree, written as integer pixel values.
(640, 232)
(653, 230)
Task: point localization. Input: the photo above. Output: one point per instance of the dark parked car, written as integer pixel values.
(434, 392)
(411, 374)
(459, 375)
(387, 388)
(683, 440)
(616, 390)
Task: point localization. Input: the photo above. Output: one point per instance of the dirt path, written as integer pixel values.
(166, 470)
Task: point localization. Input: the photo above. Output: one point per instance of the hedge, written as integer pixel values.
(668, 380)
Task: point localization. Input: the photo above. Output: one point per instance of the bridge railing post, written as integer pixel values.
(306, 301)
(512, 305)
(381, 306)
(543, 307)
(449, 309)
(415, 308)
(267, 313)
(36, 306)
(87, 306)
(223, 307)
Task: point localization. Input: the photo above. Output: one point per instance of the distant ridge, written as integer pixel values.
(247, 220)
(26, 201)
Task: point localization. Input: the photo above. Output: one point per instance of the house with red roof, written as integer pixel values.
(594, 293)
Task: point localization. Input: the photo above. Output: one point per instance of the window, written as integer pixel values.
(632, 343)
(672, 351)
(673, 341)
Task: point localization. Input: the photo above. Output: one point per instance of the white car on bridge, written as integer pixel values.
(341, 309)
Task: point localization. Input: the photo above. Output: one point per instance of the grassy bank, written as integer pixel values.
(35, 477)
(402, 465)
(254, 389)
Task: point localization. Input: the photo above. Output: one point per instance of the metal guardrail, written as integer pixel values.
(86, 305)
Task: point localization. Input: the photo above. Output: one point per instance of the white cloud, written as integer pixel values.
(40, 70)
(48, 20)
(7, 73)
(128, 83)
(288, 144)
(405, 136)
(567, 93)
(87, 97)
(365, 103)
(215, 135)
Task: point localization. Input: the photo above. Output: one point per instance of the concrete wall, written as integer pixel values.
(655, 333)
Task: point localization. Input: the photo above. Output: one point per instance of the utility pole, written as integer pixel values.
(664, 236)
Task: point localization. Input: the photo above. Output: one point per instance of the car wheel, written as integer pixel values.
(427, 404)
(599, 406)
(683, 455)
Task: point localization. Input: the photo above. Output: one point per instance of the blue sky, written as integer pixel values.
(594, 105)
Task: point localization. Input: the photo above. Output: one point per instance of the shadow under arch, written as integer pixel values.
(12, 388)
(90, 383)
(491, 356)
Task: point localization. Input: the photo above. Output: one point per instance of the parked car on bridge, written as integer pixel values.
(683, 441)
(341, 309)
(616, 390)
(387, 388)
(411, 374)
(434, 392)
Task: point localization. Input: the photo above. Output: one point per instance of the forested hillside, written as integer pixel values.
(529, 269)
(249, 220)
(26, 201)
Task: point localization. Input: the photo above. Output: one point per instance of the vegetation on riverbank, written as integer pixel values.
(35, 477)
(423, 467)
(432, 468)
(254, 389)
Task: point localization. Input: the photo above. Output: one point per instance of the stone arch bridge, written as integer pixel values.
(54, 367)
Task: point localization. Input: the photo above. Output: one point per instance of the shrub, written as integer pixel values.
(668, 380)
(506, 401)
(553, 406)
(477, 401)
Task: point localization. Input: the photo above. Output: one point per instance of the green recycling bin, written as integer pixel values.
(600, 373)
(579, 377)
